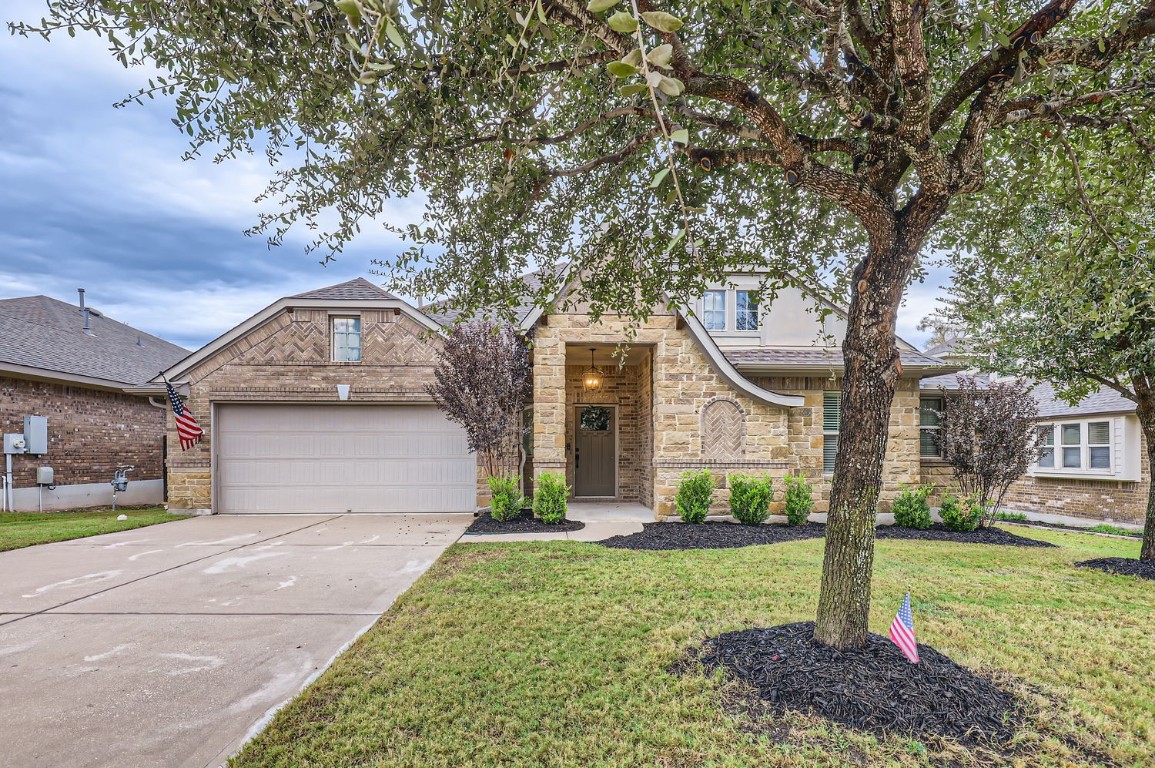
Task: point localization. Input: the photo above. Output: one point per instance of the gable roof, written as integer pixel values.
(351, 290)
(443, 313)
(1105, 400)
(808, 358)
(42, 336)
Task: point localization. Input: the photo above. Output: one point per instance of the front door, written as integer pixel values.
(594, 451)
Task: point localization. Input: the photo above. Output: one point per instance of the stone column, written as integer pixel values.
(548, 401)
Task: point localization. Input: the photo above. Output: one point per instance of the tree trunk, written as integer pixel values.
(1145, 410)
(871, 374)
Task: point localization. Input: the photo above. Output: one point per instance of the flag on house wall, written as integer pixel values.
(902, 631)
(186, 426)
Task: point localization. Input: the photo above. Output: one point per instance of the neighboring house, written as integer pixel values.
(731, 386)
(73, 366)
(1092, 459)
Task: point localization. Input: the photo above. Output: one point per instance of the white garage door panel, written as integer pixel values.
(333, 459)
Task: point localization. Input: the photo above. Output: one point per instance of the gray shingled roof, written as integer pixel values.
(1104, 401)
(442, 313)
(815, 357)
(949, 381)
(41, 332)
(353, 290)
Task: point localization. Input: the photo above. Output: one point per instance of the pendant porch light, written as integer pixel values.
(592, 378)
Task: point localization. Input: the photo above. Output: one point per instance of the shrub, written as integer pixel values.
(1013, 517)
(911, 508)
(506, 497)
(750, 498)
(960, 515)
(549, 497)
(695, 492)
(799, 500)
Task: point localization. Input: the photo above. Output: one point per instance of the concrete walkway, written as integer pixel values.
(603, 519)
(170, 645)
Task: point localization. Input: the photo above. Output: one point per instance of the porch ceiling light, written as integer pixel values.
(592, 378)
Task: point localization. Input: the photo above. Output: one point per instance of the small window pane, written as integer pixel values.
(595, 419)
(714, 310)
(928, 412)
(747, 309)
(1072, 435)
(829, 453)
(1047, 435)
(928, 444)
(1072, 458)
(347, 339)
(1099, 433)
(1100, 458)
(1047, 457)
(831, 412)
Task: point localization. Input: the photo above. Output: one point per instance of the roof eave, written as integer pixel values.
(47, 374)
(731, 374)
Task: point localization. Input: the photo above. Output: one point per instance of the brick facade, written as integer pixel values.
(90, 431)
(287, 359)
(681, 382)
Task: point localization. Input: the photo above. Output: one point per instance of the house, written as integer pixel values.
(317, 404)
(1092, 459)
(75, 366)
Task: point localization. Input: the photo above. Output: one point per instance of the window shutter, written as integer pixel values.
(829, 453)
(832, 412)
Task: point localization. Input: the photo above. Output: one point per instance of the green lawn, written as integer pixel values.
(556, 654)
(23, 529)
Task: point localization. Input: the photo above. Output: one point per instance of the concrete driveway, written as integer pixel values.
(170, 645)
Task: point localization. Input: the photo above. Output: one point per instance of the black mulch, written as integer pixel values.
(938, 532)
(1121, 566)
(712, 535)
(873, 689)
(523, 523)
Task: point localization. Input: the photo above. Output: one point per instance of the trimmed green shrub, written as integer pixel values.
(799, 499)
(911, 508)
(549, 497)
(750, 498)
(960, 515)
(506, 501)
(695, 492)
(1013, 517)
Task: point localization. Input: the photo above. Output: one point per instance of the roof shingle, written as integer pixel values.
(42, 332)
(817, 357)
(359, 289)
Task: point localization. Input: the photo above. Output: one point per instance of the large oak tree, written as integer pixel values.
(656, 145)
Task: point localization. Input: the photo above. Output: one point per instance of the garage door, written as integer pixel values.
(341, 458)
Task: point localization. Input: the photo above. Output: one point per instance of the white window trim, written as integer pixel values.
(730, 293)
(333, 338)
(1084, 471)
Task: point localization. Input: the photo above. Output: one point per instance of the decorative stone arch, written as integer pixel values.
(723, 429)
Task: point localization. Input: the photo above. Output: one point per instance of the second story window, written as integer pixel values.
(746, 306)
(714, 310)
(346, 339)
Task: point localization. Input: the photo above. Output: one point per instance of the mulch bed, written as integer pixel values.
(524, 523)
(712, 535)
(1121, 566)
(873, 689)
(938, 532)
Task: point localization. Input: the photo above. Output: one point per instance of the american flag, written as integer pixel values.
(186, 426)
(902, 631)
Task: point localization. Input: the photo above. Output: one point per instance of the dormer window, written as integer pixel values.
(714, 310)
(346, 339)
(746, 308)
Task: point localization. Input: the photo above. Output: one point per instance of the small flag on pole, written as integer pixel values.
(186, 426)
(902, 631)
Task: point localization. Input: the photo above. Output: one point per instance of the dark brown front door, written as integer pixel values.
(594, 451)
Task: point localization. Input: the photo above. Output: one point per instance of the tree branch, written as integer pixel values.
(631, 147)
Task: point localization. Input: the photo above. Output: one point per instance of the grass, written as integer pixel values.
(1014, 517)
(1115, 530)
(557, 654)
(24, 529)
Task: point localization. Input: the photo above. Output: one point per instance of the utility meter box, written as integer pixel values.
(36, 434)
(14, 443)
(45, 476)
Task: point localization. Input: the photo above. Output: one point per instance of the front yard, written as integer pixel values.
(23, 529)
(558, 654)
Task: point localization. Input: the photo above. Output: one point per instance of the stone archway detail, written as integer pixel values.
(723, 430)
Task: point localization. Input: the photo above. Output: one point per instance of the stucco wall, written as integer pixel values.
(288, 360)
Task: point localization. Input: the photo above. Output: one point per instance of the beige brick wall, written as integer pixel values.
(90, 431)
(287, 359)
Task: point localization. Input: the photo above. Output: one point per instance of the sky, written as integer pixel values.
(98, 198)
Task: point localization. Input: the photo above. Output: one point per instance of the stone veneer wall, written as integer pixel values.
(287, 359)
(90, 431)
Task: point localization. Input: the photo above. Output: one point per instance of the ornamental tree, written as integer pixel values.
(655, 146)
(1070, 299)
(989, 438)
(483, 382)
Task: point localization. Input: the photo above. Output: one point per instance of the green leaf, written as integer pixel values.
(659, 177)
(352, 9)
(1002, 39)
(622, 22)
(662, 21)
(633, 89)
(634, 58)
(597, 6)
(394, 35)
(681, 136)
(671, 86)
(621, 69)
(541, 12)
(661, 56)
